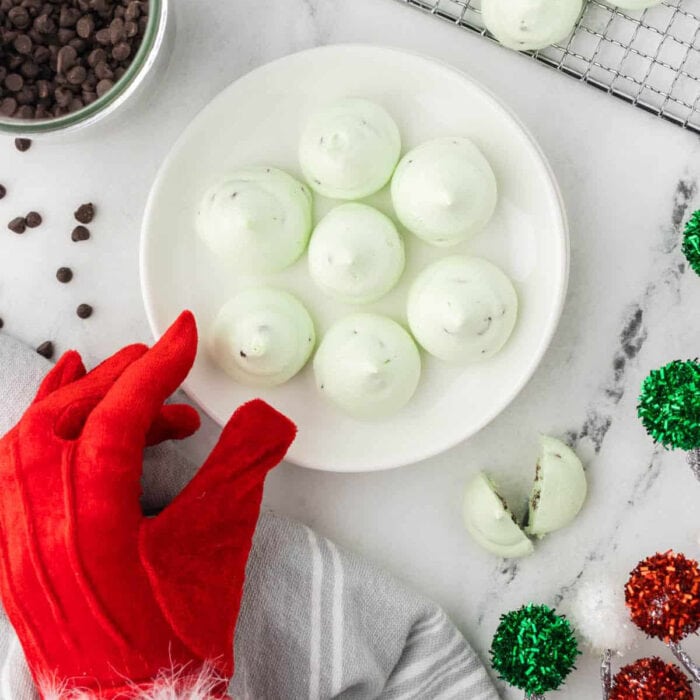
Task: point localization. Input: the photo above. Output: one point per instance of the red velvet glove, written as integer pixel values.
(102, 598)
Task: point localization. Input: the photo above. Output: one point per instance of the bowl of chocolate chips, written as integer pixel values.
(67, 64)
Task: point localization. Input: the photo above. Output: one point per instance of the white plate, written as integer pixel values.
(257, 120)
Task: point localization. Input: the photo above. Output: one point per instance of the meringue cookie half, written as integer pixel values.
(444, 191)
(559, 490)
(462, 309)
(489, 521)
(258, 219)
(349, 149)
(356, 254)
(367, 365)
(262, 337)
(527, 25)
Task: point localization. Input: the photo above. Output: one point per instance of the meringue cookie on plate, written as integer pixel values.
(367, 365)
(262, 337)
(444, 191)
(528, 25)
(462, 309)
(258, 219)
(356, 254)
(349, 149)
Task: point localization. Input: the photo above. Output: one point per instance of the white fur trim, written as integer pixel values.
(173, 684)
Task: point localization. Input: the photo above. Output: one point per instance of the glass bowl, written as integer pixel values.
(151, 55)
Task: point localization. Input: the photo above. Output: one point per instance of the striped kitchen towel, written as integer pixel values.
(316, 622)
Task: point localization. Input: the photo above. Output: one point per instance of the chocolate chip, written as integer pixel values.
(100, 5)
(65, 59)
(19, 17)
(64, 275)
(65, 36)
(116, 30)
(26, 96)
(43, 89)
(63, 96)
(25, 112)
(80, 233)
(42, 54)
(96, 56)
(23, 44)
(8, 106)
(68, 16)
(46, 349)
(103, 87)
(2, 323)
(76, 75)
(133, 11)
(30, 70)
(18, 225)
(3, 191)
(85, 213)
(23, 144)
(84, 311)
(14, 82)
(33, 219)
(102, 37)
(121, 51)
(103, 71)
(43, 24)
(85, 27)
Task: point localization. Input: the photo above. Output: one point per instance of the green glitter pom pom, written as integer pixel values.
(669, 406)
(534, 649)
(691, 241)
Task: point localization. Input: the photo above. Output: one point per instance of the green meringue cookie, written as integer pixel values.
(634, 4)
(490, 523)
(559, 490)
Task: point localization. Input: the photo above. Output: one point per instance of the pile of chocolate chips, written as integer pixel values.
(56, 56)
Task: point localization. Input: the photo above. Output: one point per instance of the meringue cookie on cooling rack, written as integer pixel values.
(262, 337)
(349, 149)
(529, 25)
(257, 219)
(367, 365)
(462, 309)
(634, 4)
(444, 191)
(356, 254)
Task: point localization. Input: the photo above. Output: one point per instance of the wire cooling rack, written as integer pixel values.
(649, 58)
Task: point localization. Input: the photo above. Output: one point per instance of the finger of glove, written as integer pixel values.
(200, 542)
(174, 422)
(67, 370)
(255, 439)
(65, 410)
(134, 401)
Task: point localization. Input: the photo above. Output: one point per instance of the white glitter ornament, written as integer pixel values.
(601, 617)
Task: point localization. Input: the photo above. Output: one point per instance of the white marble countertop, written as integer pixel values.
(627, 179)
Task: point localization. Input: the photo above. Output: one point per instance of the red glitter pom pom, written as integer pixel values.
(663, 595)
(651, 679)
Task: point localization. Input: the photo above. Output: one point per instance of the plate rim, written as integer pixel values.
(561, 213)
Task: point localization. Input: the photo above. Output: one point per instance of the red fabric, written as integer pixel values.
(97, 593)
